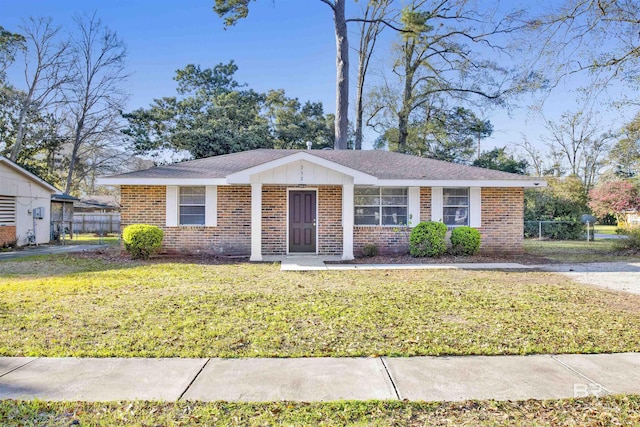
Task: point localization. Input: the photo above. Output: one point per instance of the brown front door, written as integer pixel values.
(302, 221)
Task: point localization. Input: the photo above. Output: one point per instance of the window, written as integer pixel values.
(455, 206)
(7, 210)
(380, 205)
(192, 205)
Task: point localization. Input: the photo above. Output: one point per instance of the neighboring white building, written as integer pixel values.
(25, 205)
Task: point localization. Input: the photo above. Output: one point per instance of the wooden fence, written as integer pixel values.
(99, 223)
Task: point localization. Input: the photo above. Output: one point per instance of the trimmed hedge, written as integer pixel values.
(428, 239)
(465, 241)
(142, 240)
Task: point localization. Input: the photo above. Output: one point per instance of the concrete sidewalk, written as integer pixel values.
(48, 250)
(321, 379)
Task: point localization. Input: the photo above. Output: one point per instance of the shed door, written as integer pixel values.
(302, 221)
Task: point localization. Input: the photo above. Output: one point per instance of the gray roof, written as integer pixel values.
(378, 163)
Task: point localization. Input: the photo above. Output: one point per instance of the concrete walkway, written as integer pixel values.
(315, 262)
(618, 276)
(48, 250)
(321, 379)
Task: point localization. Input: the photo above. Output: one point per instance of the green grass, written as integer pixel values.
(74, 306)
(606, 229)
(92, 239)
(568, 251)
(607, 411)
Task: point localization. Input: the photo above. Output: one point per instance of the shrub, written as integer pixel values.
(428, 239)
(632, 242)
(556, 230)
(142, 240)
(465, 241)
(369, 250)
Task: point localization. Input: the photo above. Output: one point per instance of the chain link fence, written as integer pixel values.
(558, 230)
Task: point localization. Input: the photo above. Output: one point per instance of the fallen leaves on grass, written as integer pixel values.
(94, 308)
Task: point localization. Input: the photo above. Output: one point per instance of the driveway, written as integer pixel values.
(619, 276)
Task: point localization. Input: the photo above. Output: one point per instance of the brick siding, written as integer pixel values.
(501, 229)
(389, 240)
(330, 220)
(274, 219)
(425, 205)
(7, 234)
(502, 221)
(232, 235)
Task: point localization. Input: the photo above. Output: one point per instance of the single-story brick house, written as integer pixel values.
(325, 202)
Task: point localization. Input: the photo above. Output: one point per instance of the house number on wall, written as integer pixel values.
(301, 173)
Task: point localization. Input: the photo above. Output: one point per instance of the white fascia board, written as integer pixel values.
(116, 181)
(244, 176)
(462, 183)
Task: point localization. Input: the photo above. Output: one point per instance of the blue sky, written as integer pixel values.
(286, 44)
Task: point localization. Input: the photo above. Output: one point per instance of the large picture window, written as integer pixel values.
(455, 206)
(192, 205)
(380, 205)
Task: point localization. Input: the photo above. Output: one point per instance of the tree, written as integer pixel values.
(563, 199)
(625, 153)
(94, 98)
(213, 114)
(293, 124)
(46, 74)
(233, 10)
(533, 156)
(442, 57)
(614, 198)
(43, 142)
(595, 36)
(441, 133)
(10, 44)
(580, 143)
(371, 27)
(499, 159)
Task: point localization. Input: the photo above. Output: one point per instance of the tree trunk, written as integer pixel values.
(22, 120)
(362, 71)
(17, 146)
(74, 153)
(342, 76)
(359, 108)
(407, 99)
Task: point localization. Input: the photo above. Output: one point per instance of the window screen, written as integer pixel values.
(192, 205)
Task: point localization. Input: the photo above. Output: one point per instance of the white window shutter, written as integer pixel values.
(211, 206)
(413, 210)
(475, 208)
(172, 206)
(437, 204)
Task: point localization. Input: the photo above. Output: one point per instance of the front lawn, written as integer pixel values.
(73, 306)
(568, 251)
(606, 229)
(607, 411)
(94, 239)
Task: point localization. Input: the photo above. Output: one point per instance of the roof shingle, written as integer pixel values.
(384, 165)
